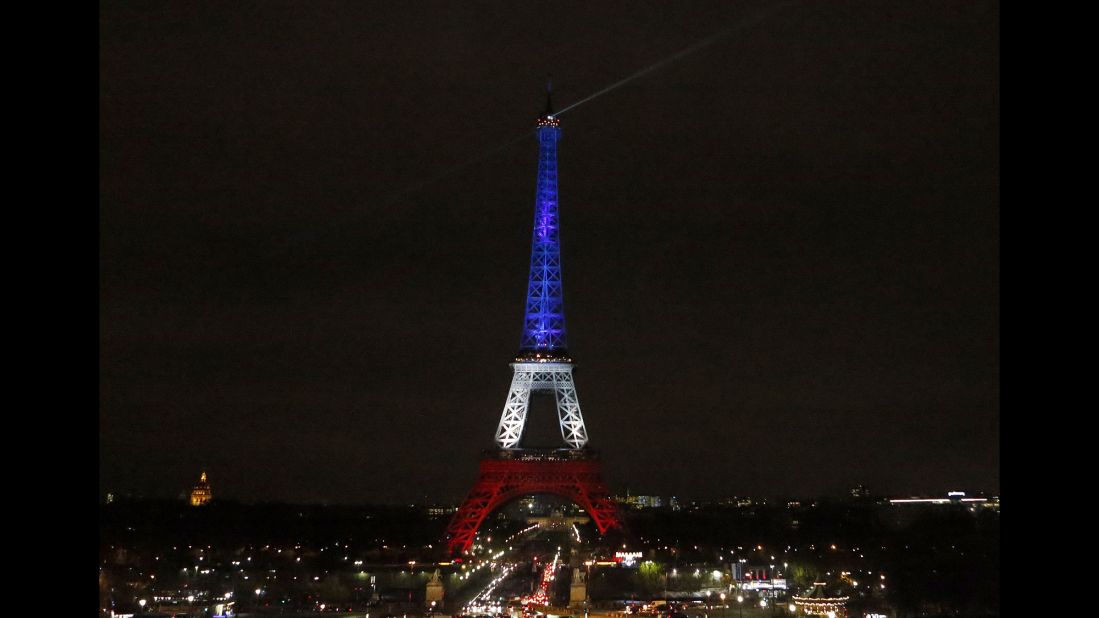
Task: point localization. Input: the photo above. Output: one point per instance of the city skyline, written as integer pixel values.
(623, 495)
(779, 253)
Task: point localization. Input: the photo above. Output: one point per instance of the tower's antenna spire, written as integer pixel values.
(549, 94)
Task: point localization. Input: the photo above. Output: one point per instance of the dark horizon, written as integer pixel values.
(772, 500)
(780, 252)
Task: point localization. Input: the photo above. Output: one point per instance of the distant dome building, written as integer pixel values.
(200, 493)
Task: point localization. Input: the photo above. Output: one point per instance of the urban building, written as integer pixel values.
(952, 497)
(644, 502)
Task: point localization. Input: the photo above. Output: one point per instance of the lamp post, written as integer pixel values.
(740, 602)
(665, 589)
(722, 605)
(786, 584)
(774, 593)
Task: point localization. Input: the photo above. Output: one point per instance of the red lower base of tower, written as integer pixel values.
(507, 475)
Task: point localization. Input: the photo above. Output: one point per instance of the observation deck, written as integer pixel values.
(540, 454)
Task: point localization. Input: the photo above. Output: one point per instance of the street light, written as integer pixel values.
(722, 605)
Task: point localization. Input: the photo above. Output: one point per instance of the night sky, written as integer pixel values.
(781, 251)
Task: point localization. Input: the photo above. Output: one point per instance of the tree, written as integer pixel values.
(650, 577)
(333, 589)
(804, 574)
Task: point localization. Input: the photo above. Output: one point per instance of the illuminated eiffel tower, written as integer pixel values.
(542, 366)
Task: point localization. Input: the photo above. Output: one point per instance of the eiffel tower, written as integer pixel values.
(542, 366)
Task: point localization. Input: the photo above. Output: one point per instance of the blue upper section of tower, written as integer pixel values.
(544, 319)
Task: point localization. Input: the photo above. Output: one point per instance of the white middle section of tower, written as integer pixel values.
(533, 377)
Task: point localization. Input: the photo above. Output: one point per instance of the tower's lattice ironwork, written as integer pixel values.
(544, 323)
(543, 363)
(542, 366)
(529, 378)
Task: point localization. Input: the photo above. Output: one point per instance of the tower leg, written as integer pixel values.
(514, 416)
(568, 410)
(482, 499)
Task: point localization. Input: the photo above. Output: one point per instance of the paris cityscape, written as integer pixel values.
(212, 557)
(339, 375)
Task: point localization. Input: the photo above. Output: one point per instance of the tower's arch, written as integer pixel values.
(505, 479)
